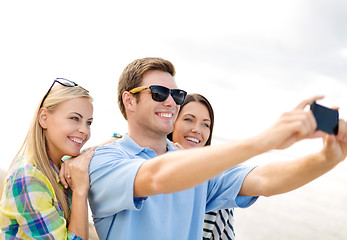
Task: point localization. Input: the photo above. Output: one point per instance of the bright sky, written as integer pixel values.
(252, 59)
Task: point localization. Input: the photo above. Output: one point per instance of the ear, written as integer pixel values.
(43, 118)
(129, 101)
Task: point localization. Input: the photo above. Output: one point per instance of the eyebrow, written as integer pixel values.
(209, 120)
(80, 115)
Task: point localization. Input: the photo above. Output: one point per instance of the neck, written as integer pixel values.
(152, 141)
(56, 160)
(57, 163)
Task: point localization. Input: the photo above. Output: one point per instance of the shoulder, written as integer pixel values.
(24, 171)
(26, 179)
(110, 154)
(111, 150)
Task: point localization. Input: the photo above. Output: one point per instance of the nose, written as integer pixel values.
(83, 128)
(196, 129)
(170, 101)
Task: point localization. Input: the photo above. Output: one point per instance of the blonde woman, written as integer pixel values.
(34, 204)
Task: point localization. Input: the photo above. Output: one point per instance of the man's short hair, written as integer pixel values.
(132, 75)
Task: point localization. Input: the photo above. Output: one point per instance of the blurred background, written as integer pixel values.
(252, 59)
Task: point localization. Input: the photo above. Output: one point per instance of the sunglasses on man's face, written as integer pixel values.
(160, 93)
(62, 81)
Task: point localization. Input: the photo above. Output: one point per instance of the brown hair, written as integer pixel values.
(132, 75)
(201, 99)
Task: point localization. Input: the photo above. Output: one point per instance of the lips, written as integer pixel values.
(76, 140)
(193, 140)
(165, 114)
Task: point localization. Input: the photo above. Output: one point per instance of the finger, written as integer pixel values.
(303, 119)
(91, 151)
(62, 176)
(90, 154)
(319, 134)
(298, 128)
(67, 172)
(302, 131)
(68, 180)
(178, 146)
(83, 160)
(93, 148)
(84, 150)
(335, 108)
(342, 134)
(307, 101)
(67, 175)
(87, 151)
(312, 120)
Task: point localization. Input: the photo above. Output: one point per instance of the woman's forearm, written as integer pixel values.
(280, 177)
(79, 215)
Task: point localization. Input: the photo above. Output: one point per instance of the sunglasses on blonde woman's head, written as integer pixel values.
(160, 93)
(62, 81)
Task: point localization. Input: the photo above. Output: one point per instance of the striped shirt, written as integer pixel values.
(218, 225)
(29, 208)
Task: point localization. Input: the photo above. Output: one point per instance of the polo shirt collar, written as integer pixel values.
(134, 148)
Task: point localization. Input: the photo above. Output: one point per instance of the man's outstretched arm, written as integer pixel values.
(181, 170)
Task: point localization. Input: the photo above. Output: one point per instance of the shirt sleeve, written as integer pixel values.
(31, 203)
(223, 190)
(112, 176)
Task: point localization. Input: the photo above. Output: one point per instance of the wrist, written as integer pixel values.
(327, 158)
(80, 194)
(261, 143)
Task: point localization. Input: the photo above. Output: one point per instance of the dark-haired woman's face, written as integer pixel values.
(192, 127)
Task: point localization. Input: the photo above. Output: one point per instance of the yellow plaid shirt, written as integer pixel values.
(29, 208)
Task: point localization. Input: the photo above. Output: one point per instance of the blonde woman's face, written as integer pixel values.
(68, 128)
(192, 127)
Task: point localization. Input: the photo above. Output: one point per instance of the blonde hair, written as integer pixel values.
(34, 147)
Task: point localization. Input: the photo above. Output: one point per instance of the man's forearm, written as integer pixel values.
(181, 170)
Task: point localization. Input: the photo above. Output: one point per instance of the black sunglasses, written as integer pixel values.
(62, 81)
(160, 93)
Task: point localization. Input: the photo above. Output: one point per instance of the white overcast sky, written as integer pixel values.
(253, 59)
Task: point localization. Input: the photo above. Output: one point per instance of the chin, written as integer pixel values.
(73, 153)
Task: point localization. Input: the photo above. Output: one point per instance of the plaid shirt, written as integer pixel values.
(29, 208)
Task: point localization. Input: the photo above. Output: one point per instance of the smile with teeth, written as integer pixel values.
(191, 139)
(76, 139)
(167, 115)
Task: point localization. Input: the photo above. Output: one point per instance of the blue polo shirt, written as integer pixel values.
(118, 215)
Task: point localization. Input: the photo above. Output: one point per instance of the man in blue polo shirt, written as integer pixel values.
(141, 188)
